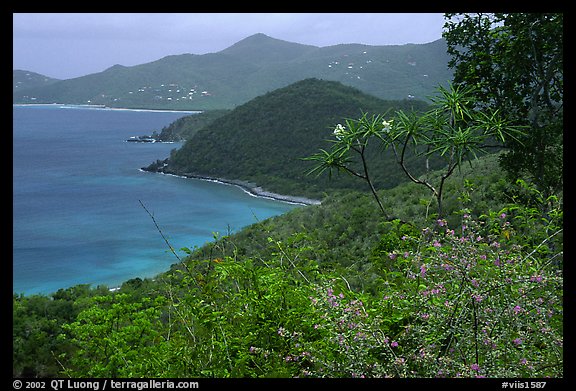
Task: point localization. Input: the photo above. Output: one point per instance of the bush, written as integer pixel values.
(481, 299)
(469, 306)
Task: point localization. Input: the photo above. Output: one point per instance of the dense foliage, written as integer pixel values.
(186, 127)
(474, 289)
(515, 62)
(331, 291)
(469, 302)
(265, 140)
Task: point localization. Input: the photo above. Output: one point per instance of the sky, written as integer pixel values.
(69, 45)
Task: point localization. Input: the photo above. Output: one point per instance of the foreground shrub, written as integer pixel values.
(480, 300)
(476, 302)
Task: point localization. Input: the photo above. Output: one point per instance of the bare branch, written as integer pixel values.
(163, 237)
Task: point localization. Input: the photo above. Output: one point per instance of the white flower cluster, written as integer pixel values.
(387, 125)
(340, 131)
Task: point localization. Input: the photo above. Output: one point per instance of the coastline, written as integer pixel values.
(101, 107)
(247, 187)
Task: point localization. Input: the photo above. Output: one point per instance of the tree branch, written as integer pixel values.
(164, 237)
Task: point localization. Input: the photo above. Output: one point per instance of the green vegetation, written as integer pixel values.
(22, 80)
(265, 140)
(250, 68)
(452, 131)
(515, 62)
(331, 290)
(471, 289)
(186, 127)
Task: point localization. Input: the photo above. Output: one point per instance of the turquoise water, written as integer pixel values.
(77, 188)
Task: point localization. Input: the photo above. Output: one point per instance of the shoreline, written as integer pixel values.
(249, 188)
(102, 107)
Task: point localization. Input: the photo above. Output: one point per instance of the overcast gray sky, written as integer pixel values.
(68, 45)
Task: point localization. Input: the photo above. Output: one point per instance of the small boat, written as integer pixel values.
(141, 139)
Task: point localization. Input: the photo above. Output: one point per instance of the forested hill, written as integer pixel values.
(249, 68)
(23, 80)
(265, 140)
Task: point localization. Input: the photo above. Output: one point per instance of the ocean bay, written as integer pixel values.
(77, 188)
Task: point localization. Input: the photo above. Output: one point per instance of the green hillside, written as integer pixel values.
(328, 291)
(186, 127)
(24, 80)
(250, 68)
(265, 140)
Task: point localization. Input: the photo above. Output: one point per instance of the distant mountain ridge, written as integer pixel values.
(249, 68)
(23, 80)
(264, 50)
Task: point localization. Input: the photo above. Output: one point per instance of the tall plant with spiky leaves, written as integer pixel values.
(453, 130)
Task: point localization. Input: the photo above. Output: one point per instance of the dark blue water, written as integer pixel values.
(77, 217)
